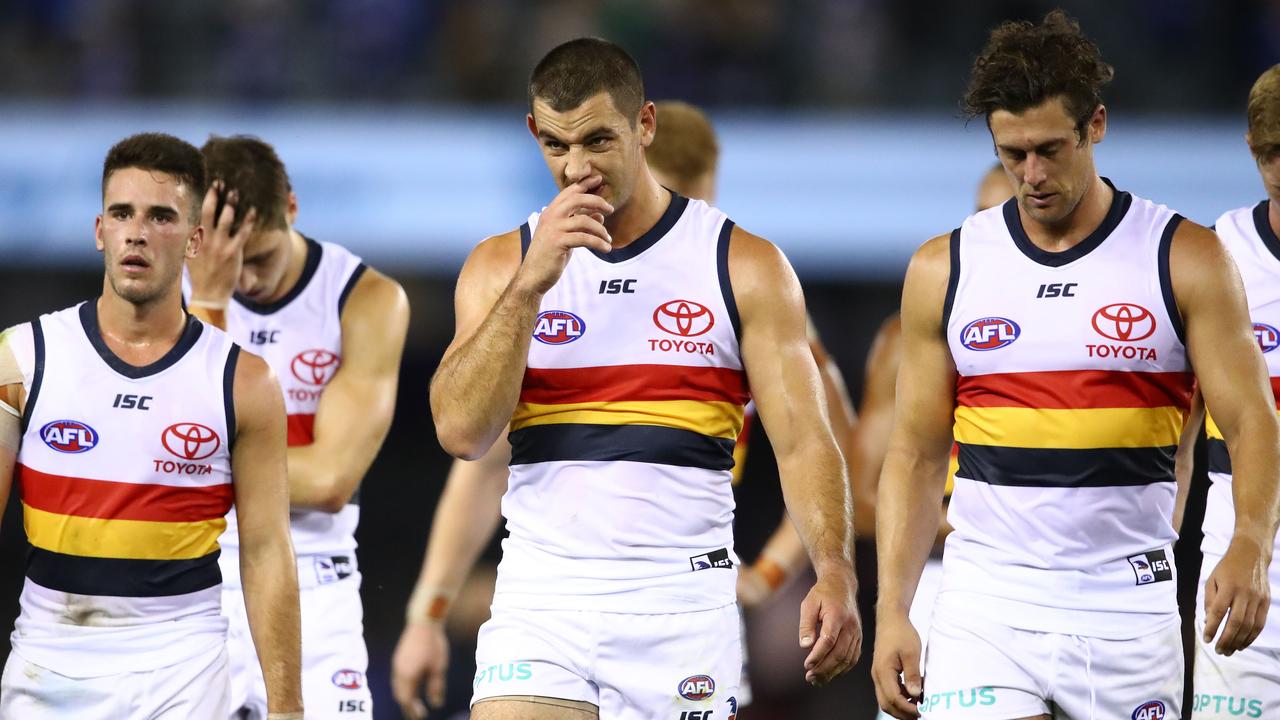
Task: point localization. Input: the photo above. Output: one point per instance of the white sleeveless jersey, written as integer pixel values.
(619, 497)
(1255, 248)
(125, 477)
(300, 337)
(1073, 390)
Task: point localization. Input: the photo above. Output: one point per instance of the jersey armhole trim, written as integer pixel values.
(37, 373)
(1166, 281)
(351, 285)
(228, 392)
(726, 285)
(953, 279)
(526, 237)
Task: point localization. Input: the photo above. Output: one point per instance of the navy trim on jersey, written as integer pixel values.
(228, 392)
(568, 442)
(1262, 223)
(668, 220)
(121, 577)
(37, 374)
(351, 284)
(89, 320)
(953, 279)
(1166, 281)
(1219, 458)
(526, 237)
(1120, 202)
(726, 285)
(1057, 468)
(314, 251)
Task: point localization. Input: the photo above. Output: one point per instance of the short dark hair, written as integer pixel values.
(161, 153)
(576, 70)
(252, 168)
(1024, 65)
(684, 148)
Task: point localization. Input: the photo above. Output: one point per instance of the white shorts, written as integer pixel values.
(334, 657)
(1245, 685)
(979, 670)
(630, 666)
(195, 689)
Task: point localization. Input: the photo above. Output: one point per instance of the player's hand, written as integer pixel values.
(753, 590)
(574, 219)
(830, 628)
(1238, 590)
(215, 271)
(895, 666)
(422, 655)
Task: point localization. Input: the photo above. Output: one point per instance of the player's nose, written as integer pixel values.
(578, 165)
(1034, 170)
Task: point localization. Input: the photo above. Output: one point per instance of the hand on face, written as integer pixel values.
(215, 270)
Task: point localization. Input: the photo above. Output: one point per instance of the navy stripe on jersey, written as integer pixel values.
(526, 237)
(1219, 458)
(668, 220)
(1037, 467)
(314, 251)
(37, 375)
(1262, 223)
(1166, 282)
(567, 442)
(228, 394)
(953, 280)
(1120, 203)
(89, 320)
(351, 285)
(121, 577)
(726, 285)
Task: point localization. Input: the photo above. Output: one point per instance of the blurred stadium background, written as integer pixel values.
(401, 122)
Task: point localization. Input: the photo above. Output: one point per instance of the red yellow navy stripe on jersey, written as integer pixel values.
(569, 442)
(117, 577)
(1218, 456)
(1076, 389)
(125, 539)
(612, 383)
(301, 429)
(106, 499)
(1057, 468)
(1017, 427)
(715, 419)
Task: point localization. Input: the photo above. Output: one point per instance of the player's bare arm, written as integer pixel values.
(474, 391)
(875, 423)
(788, 392)
(1233, 379)
(1184, 459)
(465, 519)
(357, 405)
(215, 270)
(268, 570)
(914, 475)
(12, 399)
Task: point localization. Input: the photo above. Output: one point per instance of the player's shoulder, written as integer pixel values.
(498, 250)
(1194, 243)
(932, 260)
(754, 252)
(377, 292)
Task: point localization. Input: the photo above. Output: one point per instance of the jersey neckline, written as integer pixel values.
(1120, 202)
(309, 267)
(89, 320)
(650, 238)
(1262, 223)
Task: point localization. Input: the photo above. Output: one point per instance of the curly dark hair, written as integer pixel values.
(160, 153)
(252, 168)
(1025, 64)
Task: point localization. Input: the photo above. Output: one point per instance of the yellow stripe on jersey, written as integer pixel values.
(1211, 428)
(121, 539)
(1068, 429)
(714, 419)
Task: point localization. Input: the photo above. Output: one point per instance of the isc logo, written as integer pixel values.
(989, 333)
(558, 327)
(697, 687)
(1153, 710)
(1268, 337)
(69, 436)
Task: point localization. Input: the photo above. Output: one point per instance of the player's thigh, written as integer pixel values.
(334, 656)
(1245, 685)
(537, 654)
(532, 708)
(1134, 679)
(197, 689)
(978, 670)
(681, 666)
(32, 692)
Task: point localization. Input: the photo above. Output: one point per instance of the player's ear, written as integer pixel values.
(291, 213)
(647, 122)
(195, 241)
(532, 125)
(98, 242)
(1098, 124)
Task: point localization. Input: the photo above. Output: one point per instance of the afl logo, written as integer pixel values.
(558, 327)
(1267, 336)
(69, 436)
(989, 333)
(1125, 322)
(1153, 710)
(190, 441)
(684, 318)
(697, 687)
(348, 679)
(314, 367)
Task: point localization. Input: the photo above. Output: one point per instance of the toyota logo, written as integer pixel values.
(314, 367)
(190, 441)
(684, 318)
(1124, 321)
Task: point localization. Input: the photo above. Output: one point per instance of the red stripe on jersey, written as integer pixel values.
(1275, 390)
(1076, 389)
(302, 429)
(616, 383)
(122, 501)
